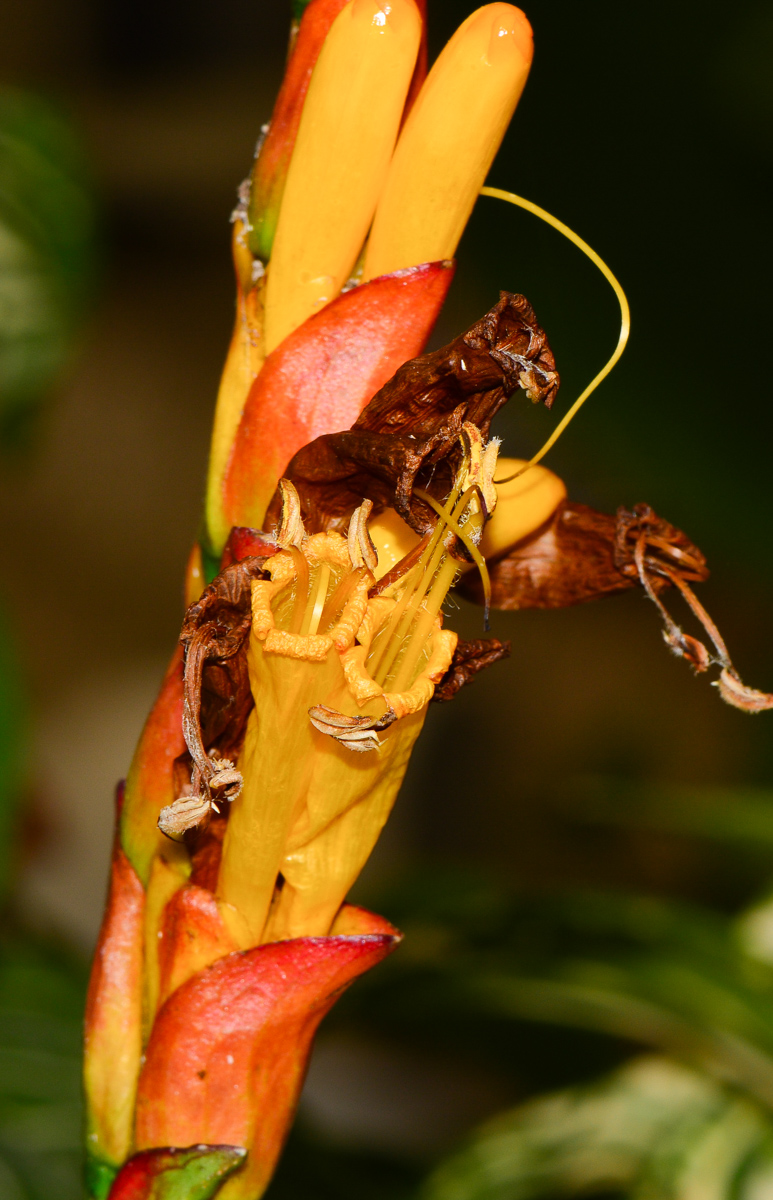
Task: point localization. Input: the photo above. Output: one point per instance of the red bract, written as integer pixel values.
(193, 1174)
(193, 936)
(229, 1048)
(322, 376)
(113, 1042)
(149, 785)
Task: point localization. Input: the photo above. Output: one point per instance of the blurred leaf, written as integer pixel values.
(652, 1129)
(46, 253)
(650, 972)
(733, 816)
(13, 735)
(41, 1005)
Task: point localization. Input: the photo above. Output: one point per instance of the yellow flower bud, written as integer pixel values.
(347, 133)
(449, 141)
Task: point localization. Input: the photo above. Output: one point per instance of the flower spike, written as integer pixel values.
(351, 485)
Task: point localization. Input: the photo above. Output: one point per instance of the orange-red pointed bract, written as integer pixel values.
(228, 1053)
(113, 1035)
(149, 786)
(321, 377)
(193, 936)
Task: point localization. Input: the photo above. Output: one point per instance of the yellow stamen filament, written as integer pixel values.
(425, 622)
(340, 597)
(319, 599)
(389, 640)
(301, 589)
(434, 573)
(347, 133)
(386, 638)
(449, 140)
(467, 541)
(625, 315)
(388, 644)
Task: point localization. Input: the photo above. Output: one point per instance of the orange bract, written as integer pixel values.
(322, 376)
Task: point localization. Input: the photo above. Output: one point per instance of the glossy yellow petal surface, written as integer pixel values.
(335, 831)
(393, 539)
(449, 140)
(522, 505)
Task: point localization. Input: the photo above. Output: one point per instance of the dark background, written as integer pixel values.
(648, 130)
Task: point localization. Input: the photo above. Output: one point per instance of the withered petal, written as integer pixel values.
(409, 432)
(734, 691)
(217, 696)
(580, 554)
(469, 658)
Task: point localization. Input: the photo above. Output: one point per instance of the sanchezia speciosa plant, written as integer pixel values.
(353, 482)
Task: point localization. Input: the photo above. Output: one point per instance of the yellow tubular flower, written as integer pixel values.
(312, 807)
(449, 141)
(327, 847)
(341, 682)
(347, 133)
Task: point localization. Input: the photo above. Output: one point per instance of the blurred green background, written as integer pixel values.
(585, 831)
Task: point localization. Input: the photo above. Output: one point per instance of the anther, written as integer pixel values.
(185, 813)
(482, 465)
(362, 552)
(226, 780)
(291, 531)
(359, 734)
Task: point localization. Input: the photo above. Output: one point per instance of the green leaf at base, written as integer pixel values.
(196, 1173)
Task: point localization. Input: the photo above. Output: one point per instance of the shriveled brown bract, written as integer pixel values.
(580, 554)
(408, 435)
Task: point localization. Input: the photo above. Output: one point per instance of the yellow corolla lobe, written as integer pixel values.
(523, 505)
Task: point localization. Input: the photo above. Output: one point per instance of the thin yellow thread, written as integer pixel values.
(467, 542)
(319, 603)
(625, 314)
